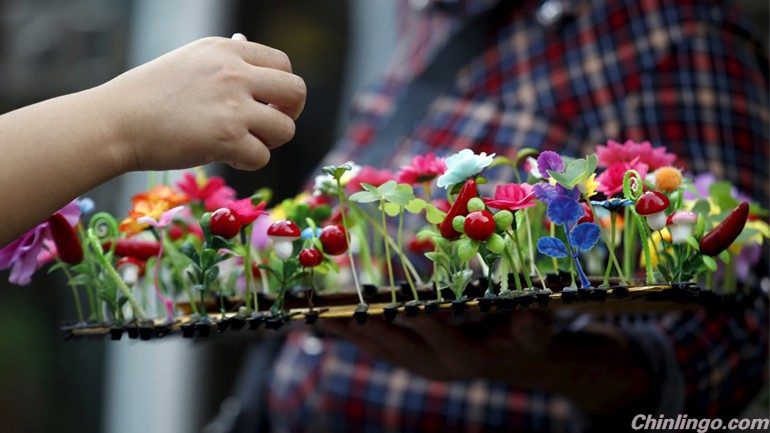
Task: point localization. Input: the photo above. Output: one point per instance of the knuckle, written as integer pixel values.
(299, 88)
(282, 59)
(290, 128)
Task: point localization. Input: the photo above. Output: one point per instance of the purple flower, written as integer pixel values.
(26, 254)
(546, 192)
(549, 160)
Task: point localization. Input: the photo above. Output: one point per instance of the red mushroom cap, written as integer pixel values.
(284, 228)
(128, 260)
(652, 202)
(683, 216)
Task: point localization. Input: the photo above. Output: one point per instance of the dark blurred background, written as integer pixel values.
(52, 47)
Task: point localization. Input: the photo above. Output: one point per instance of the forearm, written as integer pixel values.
(52, 152)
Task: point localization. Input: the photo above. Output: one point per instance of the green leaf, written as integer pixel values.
(502, 160)
(211, 275)
(756, 209)
(725, 256)
(701, 207)
(710, 263)
(591, 162)
(387, 187)
(433, 214)
(330, 266)
(721, 194)
(289, 267)
(207, 257)
(218, 242)
(391, 209)
(524, 153)
(432, 256)
(80, 280)
(692, 242)
(573, 174)
(466, 249)
(364, 197)
(320, 213)
(55, 266)
(370, 188)
(415, 206)
(402, 195)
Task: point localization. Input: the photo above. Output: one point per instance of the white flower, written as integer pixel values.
(463, 165)
(534, 171)
(324, 184)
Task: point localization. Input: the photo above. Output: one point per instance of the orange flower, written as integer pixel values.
(668, 179)
(152, 204)
(162, 193)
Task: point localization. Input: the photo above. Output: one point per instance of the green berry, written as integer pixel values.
(467, 249)
(503, 219)
(495, 244)
(458, 222)
(476, 204)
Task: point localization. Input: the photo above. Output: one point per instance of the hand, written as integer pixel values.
(215, 99)
(449, 348)
(595, 368)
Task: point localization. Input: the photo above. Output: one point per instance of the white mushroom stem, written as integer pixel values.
(656, 220)
(282, 248)
(679, 232)
(129, 273)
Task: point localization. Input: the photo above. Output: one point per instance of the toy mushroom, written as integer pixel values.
(283, 232)
(130, 269)
(652, 205)
(680, 225)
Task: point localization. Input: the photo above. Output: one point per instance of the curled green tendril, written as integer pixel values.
(628, 192)
(105, 227)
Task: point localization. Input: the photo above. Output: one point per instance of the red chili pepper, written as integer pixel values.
(66, 239)
(723, 235)
(142, 249)
(459, 207)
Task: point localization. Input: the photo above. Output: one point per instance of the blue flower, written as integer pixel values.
(564, 211)
(307, 233)
(86, 205)
(613, 204)
(463, 165)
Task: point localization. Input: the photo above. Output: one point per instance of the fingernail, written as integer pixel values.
(239, 37)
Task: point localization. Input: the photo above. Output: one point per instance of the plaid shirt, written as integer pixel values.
(684, 74)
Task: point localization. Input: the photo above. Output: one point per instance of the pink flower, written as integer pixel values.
(512, 197)
(652, 157)
(611, 179)
(164, 220)
(369, 175)
(212, 191)
(26, 254)
(422, 169)
(245, 210)
(259, 237)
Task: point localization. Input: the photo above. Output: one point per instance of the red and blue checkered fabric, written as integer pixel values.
(687, 75)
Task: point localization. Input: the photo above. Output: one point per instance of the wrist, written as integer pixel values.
(114, 143)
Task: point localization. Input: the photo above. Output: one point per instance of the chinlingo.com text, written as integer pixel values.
(700, 425)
